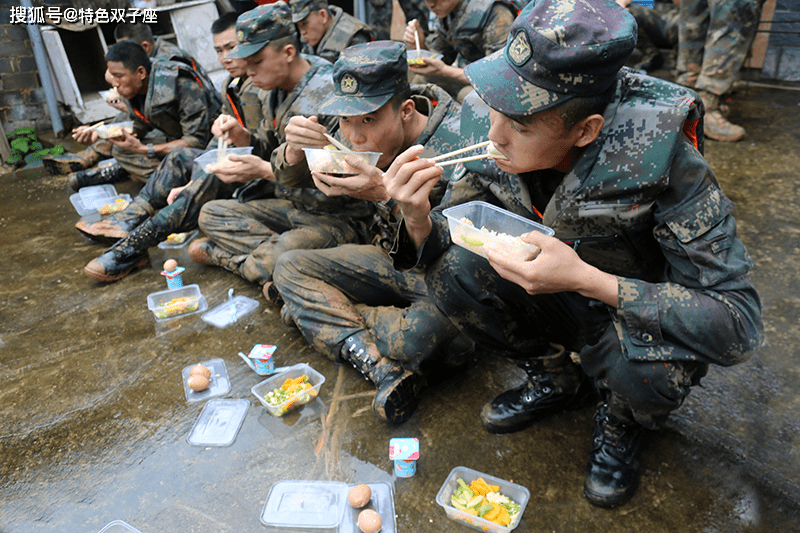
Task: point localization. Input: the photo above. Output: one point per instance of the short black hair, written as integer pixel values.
(130, 54)
(576, 108)
(224, 23)
(293, 39)
(136, 32)
(398, 98)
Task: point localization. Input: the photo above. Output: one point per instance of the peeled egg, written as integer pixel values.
(197, 383)
(170, 265)
(369, 521)
(359, 496)
(200, 370)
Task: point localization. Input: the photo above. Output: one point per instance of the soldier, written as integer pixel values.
(651, 285)
(714, 39)
(464, 31)
(658, 28)
(170, 202)
(327, 30)
(156, 48)
(348, 301)
(379, 15)
(163, 95)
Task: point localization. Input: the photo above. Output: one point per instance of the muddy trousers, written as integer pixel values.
(506, 321)
(254, 234)
(355, 290)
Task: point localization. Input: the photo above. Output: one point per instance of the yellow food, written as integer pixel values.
(359, 496)
(197, 383)
(177, 238)
(419, 62)
(200, 370)
(118, 205)
(369, 521)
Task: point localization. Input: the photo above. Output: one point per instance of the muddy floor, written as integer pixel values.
(94, 418)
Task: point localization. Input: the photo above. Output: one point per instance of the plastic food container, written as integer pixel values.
(492, 228)
(518, 493)
(110, 96)
(382, 502)
(89, 199)
(260, 390)
(111, 131)
(119, 526)
(332, 161)
(219, 422)
(174, 303)
(305, 504)
(208, 160)
(230, 311)
(218, 384)
(178, 240)
(416, 58)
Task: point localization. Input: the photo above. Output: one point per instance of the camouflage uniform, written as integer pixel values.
(345, 30)
(379, 15)
(336, 293)
(658, 28)
(250, 231)
(671, 242)
(177, 105)
(474, 29)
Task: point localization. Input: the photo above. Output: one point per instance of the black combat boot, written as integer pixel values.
(85, 178)
(128, 254)
(398, 389)
(554, 384)
(118, 225)
(612, 473)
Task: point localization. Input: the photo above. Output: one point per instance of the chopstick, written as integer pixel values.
(461, 151)
(336, 143)
(464, 160)
(222, 144)
(416, 41)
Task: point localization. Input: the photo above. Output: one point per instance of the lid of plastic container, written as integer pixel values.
(381, 501)
(305, 504)
(119, 526)
(230, 311)
(219, 422)
(218, 385)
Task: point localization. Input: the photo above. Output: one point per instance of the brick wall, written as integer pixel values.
(22, 99)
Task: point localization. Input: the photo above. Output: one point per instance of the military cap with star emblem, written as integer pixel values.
(303, 8)
(556, 49)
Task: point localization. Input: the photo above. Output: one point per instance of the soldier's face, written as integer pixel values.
(313, 27)
(128, 83)
(223, 44)
(269, 68)
(442, 8)
(539, 145)
(380, 131)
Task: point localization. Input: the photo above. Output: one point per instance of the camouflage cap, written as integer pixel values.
(365, 77)
(303, 8)
(556, 49)
(257, 27)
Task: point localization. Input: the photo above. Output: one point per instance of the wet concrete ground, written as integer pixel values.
(94, 417)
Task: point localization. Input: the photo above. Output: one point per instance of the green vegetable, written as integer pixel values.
(484, 508)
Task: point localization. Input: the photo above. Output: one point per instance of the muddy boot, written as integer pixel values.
(205, 252)
(128, 254)
(554, 384)
(85, 178)
(612, 473)
(118, 225)
(66, 163)
(271, 293)
(715, 125)
(398, 389)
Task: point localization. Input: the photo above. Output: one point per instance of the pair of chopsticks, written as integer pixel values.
(336, 143)
(222, 143)
(448, 155)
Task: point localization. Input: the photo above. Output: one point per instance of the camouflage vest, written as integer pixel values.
(610, 193)
(241, 100)
(163, 49)
(340, 35)
(466, 33)
(161, 109)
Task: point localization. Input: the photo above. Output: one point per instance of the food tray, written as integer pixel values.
(382, 502)
(492, 228)
(305, 504)
(119, 526)
(316, 380)
(416, 58)
(188, 236)
(218, 384)
(208, 159)
(233, 308)
(332, 161)
(518, 493)
(88, 199)
(219, 422)
(194, 303)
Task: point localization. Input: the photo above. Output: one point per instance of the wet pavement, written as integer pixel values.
(95, 420)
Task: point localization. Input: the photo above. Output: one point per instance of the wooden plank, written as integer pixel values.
(5, 148)
(192, 26)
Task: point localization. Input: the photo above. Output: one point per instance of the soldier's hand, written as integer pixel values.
(366, 185)
(250, 167)
(85, 135)
(129, 143)
(174, 194)
(413, 27)
(302, 132)
(433, 66)
(229, 128)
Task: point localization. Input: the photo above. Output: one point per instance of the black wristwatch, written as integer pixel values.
(151, 151)
(388, 205)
